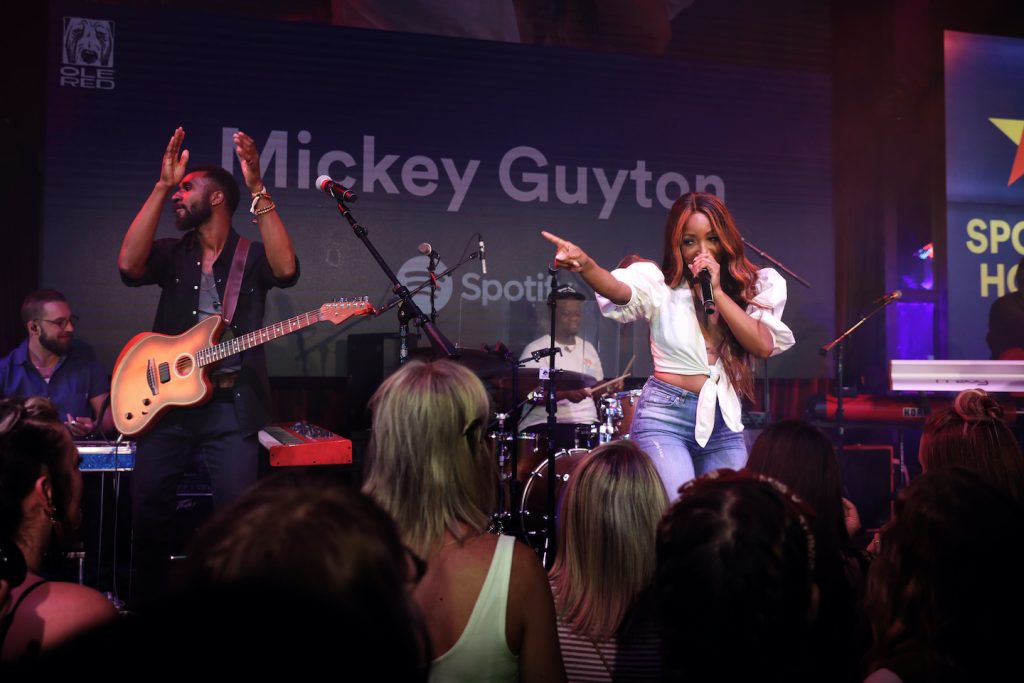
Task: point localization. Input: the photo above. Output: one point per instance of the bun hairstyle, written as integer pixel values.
(973, 405)
(972, 433)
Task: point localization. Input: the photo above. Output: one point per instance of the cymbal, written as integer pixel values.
(529, 379)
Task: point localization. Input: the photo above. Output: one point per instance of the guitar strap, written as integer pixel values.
(234, 285)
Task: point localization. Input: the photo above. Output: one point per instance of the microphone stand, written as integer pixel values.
(838, 344)
(398, 300)
(436, 337)
(778, 264)
(551, 404)
(432, 268)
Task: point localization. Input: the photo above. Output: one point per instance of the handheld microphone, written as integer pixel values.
(428, 250)
(889, 297)
(707, 296)
(483, 257)
(335, 189)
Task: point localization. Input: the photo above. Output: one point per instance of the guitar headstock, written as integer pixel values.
(340, 310)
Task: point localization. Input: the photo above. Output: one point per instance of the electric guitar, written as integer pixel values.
(157, 372)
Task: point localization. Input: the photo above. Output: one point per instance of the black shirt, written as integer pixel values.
(176, 266)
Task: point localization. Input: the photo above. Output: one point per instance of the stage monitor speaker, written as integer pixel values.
(868, 479)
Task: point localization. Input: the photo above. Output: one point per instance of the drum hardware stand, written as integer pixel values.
(551, 404)
(504, 454)
(509, 519)
(779, 265)
(610, 407)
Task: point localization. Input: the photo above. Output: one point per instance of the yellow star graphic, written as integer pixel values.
(1013, 129)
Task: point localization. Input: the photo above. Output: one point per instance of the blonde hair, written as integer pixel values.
(429, 464)
(606, 538)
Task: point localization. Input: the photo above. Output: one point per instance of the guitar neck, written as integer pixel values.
(218, 352)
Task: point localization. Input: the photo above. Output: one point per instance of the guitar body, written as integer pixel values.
(156, 372)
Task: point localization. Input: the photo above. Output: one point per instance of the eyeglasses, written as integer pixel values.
(62, 323)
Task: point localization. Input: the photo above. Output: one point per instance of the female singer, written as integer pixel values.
(688, 418)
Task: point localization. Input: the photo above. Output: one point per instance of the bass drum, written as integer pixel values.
(533, 511)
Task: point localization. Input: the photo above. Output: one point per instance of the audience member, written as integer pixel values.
(299, 574)
(484, 597)
(800, 456)
(40, 501)
(734, 583)
(944, 594)
(603, 575)
(972, 434)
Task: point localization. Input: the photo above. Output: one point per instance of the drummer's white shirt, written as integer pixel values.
(581, 357)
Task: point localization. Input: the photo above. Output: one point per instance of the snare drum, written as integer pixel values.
(533, 511)
(627, 402)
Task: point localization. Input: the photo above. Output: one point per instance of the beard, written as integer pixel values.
(193, 218)
(59, 344)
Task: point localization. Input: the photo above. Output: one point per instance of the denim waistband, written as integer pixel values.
(670, 388)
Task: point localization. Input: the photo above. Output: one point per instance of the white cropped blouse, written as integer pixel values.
(677, 345)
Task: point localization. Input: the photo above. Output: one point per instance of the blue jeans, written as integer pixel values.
(663, 426)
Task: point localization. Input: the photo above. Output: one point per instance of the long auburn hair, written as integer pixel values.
(738, 274)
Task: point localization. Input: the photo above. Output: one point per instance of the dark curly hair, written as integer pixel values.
(945, 590)
(734, 580)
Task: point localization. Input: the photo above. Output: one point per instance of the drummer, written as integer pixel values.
(575, 404)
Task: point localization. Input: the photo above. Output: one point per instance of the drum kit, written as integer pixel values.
(522, 501)
(522, 495)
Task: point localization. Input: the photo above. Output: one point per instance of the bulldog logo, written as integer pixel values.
(88, 42)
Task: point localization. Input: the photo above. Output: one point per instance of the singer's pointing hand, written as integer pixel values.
(172, 170)
(705, 260)
(249, 158)
(567, 254)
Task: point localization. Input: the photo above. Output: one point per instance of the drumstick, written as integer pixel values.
(602, 385)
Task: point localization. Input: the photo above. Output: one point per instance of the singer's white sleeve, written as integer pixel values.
(647, 290)
(767, 308)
